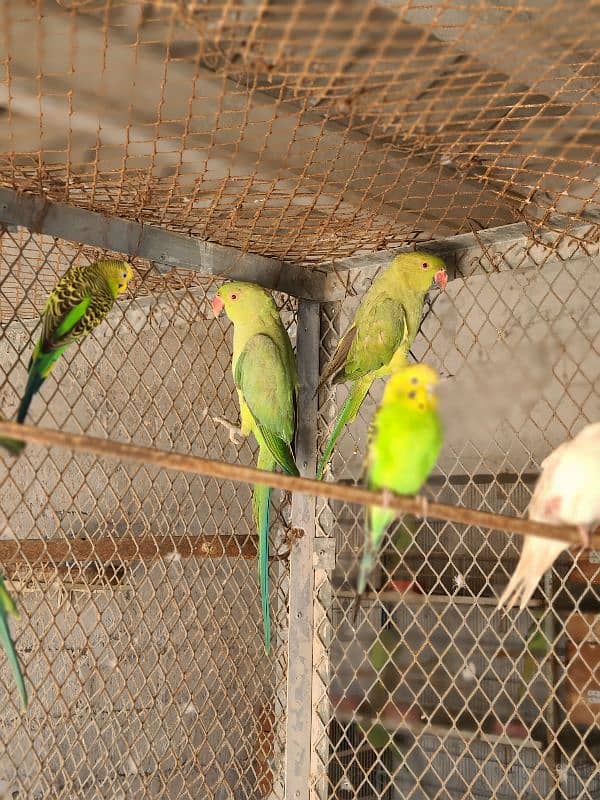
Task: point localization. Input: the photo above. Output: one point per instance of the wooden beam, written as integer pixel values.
(301, 624)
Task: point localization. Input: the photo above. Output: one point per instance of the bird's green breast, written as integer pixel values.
(272, 327)
(404, 447)
(386, 288)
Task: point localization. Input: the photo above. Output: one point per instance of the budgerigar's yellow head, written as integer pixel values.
(414, 385)
(243, 301)
(117, 274)
(421, 269)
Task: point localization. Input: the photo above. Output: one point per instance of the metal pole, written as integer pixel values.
(300, 647)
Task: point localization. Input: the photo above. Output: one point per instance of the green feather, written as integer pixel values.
(379, 521)
(71, 319)
(268, 389)
(261, 503)
(538, 648)
(347, 414)
(81, 300)
(404, 443)
(280, 450)
(8, 607)
(14, 446)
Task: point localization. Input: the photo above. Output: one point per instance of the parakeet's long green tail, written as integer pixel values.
(34, 382)
(40, 366)
(14, 446)
(348, 412)
(7, 607)
(379, 519)
(261, 503)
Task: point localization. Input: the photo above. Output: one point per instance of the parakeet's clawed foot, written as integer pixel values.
(586, 537)
(290, 538)
(387, 498)
(232, 429)
(424, 506)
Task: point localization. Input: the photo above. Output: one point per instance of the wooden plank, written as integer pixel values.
(421, 729)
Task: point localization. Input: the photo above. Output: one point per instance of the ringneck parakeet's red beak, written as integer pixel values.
(441, 278)
(217, 305)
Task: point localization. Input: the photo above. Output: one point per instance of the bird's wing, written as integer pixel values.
(62, 314)
(377, 339)
(269, 392)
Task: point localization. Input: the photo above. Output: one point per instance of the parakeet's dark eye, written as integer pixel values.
(233, 296)
(412, 395)
(424, 265)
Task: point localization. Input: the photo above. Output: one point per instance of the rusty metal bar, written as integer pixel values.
(125, 548)
(164, 248)
(242, 474)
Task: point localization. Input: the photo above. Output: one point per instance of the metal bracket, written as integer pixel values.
(324, 553)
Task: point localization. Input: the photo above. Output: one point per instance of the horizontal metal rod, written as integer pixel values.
(161, 246)
(410, 598)
(121, 451)
(38, 552)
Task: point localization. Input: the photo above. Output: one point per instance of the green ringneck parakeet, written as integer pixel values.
(404, 443)
(8, 608)
(264, 372)
(565, 494)
(80, 300)
(383, 330)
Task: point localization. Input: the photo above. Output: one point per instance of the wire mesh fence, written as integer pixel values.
(305, 130)
(146, 669)
(433, 692)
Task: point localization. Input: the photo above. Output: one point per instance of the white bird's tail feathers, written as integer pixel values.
(537, 557)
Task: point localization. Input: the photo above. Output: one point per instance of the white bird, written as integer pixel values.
(567, 493)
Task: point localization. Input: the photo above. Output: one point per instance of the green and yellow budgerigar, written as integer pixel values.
(383, 330)
(8, 608)
(405, 441)
(78, 303)
(264, 371)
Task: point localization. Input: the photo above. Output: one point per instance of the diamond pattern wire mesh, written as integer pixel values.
(147, 675)
(306, 130)
(433, 693)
